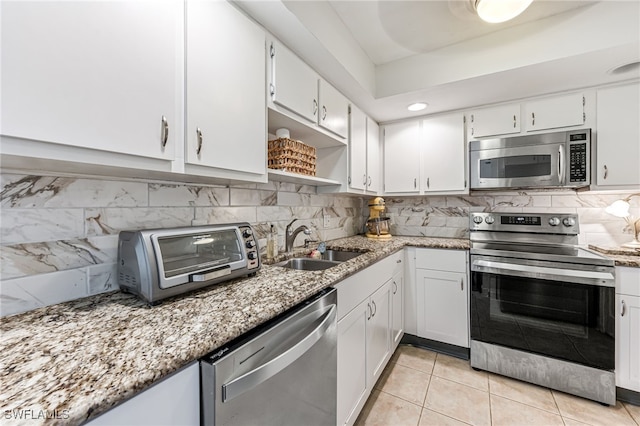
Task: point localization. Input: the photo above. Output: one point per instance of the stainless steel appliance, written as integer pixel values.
(549, 160)
(542, 308)
(285, 373)
(159, 263)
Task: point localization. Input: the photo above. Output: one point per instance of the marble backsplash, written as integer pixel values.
(59, 235)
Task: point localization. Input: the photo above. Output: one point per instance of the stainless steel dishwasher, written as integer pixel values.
(282, 374)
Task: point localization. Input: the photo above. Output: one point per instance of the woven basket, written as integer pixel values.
(292, 156)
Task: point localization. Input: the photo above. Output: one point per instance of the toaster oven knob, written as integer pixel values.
(251, 244)
(489, 219)
(247, 233)
(568, 221)
(554, 221)
(252, 255)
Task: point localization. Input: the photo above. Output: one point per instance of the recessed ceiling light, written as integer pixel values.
(418, 106)
(496, 11)
(625, 68)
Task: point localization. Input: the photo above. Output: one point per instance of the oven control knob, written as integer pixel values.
(477, 219)
(252, 255)
(251, 244)
(489, 219)
(247, 233)
(568, 221)
(554, 221)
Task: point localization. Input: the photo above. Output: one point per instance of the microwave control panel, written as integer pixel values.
(578, 158)
(251, 247)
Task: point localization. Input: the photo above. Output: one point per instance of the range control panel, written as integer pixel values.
(548, 223)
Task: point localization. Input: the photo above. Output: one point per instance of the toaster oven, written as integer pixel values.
(158, 263)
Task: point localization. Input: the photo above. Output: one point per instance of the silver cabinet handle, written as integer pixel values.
(533, 118)
(364, 179)
(315, 107)
(253, 378)
(415, 182)
(606, 171)
(462, 284)
(428, 184)
(375, 308)
(199, 139)
(624, 309)
(164, 132)
(369, 184)
(399, 261)
(324, 112)
(514, 122)
(395, 287)
(369, 311)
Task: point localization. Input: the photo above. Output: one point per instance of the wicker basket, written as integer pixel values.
(292, 156)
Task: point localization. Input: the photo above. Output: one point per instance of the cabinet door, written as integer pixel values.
(618, 132)
(402, 157)
(334, 109)
(552, 113)
(378, 333)
(397, 309)
(226, 119)
(443, 153)
(177, 395)
(628, 342)
(352, 371)
(294, 85)
(373, 156)
(71, 74)
(443, 309)
(358, 149)
(500, 120)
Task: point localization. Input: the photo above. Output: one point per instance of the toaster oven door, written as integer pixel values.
(200, 256)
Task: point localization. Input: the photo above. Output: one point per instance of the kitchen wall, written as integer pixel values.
(448, 216)
(59, 235)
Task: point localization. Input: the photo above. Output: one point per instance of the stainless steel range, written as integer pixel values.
(542, 308)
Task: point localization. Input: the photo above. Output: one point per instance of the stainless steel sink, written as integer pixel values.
(340, 255)
(307, 264)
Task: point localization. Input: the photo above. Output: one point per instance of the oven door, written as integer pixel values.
(546, 309)
(525, 166)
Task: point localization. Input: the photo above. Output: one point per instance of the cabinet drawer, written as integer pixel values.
(628, 280)
(442, 260)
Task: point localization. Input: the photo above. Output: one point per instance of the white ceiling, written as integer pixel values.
(385, 54)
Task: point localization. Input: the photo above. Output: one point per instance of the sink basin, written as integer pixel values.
(307, 264)
(340, 255)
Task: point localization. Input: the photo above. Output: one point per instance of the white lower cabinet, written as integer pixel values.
(173, 401)
(367, 331)
(628, 328)
(442, 293)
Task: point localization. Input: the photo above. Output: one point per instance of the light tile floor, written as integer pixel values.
(423, 388)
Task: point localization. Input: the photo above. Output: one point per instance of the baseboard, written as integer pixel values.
(432, 345)
(629, 396)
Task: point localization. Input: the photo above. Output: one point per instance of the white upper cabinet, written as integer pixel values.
(334, 109)
(100, 75)
(494, 121)
(443, 153)
(618, 135)
(364, 152)
(373, 156)
(294, 85)
(402, 157)
(555, 112)
(226, 104)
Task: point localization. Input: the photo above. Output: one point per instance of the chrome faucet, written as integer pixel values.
(290, 235)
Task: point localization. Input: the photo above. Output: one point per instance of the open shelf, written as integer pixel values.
(300, 179)
(305, 132)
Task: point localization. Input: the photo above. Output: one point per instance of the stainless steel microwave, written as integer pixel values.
(158, 263)
(549, 160)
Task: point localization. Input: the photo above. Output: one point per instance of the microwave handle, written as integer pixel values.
(561, 164)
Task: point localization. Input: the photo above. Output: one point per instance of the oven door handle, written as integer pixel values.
(541, 272)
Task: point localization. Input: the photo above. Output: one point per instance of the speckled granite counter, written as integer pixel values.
(88, 355)
(621, 256)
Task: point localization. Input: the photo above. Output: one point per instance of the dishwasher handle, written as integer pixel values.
(253, 378)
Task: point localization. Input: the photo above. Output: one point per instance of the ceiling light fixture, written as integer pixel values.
(418, 106)
(496, 11)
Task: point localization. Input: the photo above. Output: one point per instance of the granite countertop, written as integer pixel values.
(83, 357)
(620, 255)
